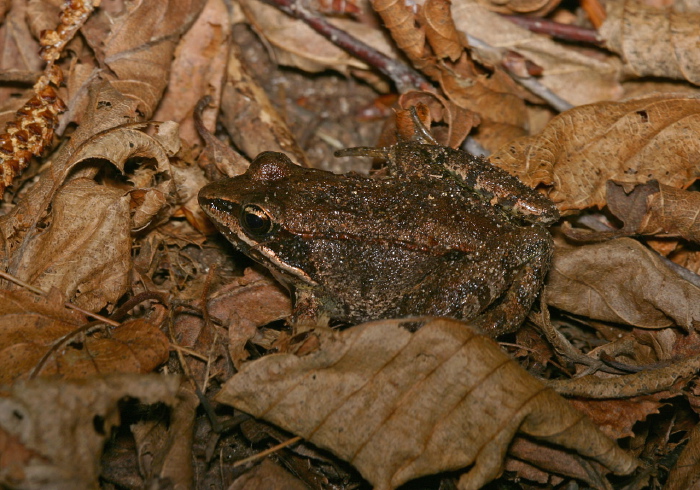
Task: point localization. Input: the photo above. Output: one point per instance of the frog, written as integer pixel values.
(440, 232)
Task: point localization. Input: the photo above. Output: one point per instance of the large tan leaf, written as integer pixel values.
(624, 282)
(399, 405)
(65, 424)
(36, 334)
(630, 142)
(653, 41)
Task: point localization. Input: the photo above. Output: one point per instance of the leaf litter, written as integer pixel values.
(106, 220)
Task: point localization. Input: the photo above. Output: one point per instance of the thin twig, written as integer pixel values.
(565, 32)
(264, 453)
(404, 78)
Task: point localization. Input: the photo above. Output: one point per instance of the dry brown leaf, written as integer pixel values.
(20, 52)
(250, 302)
(674, 212)
(653, 41)
(571, 74)
(267, 476)
(456, 122)
(685, 474)
(136, 46)
(621, 281)
(296, 44)
(399, 19)
(629, 142)
(165, 449)
(67, 422)
(33, 327)
(252, 122)
(469, 87)
(617, 417)
(198, 69)
(669, 378)
(399, 405)
(538, 8)
(649, 209)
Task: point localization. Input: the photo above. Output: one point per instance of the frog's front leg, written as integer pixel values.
(510, 312)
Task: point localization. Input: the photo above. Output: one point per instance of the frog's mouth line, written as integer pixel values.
(265, 256)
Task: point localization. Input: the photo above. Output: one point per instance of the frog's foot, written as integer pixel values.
(509, 313)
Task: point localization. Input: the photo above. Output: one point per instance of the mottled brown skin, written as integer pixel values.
(447, 234)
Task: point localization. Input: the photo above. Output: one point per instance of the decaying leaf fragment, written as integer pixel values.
(622, 281)
(65, 423)
(629, 142)
(399, 405)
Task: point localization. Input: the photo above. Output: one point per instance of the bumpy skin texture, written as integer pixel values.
(447, 234)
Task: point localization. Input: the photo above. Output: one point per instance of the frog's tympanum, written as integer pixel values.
(445, 234)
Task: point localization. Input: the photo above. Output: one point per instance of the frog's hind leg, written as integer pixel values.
(510, 312)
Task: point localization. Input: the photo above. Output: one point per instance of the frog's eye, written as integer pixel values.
(255, 220)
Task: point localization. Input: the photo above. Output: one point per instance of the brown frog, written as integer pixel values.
(446, 234)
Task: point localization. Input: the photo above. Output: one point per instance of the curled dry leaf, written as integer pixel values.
(399, 19)
(630, 142)
(65, 424)
(436, 19)
(467, 85)
(458, 122)
(538, 8)
(653, 41)
(250, 302)
(33, 327)
(686, 472)
(622, 281)
(399, 405)
(107, 108)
